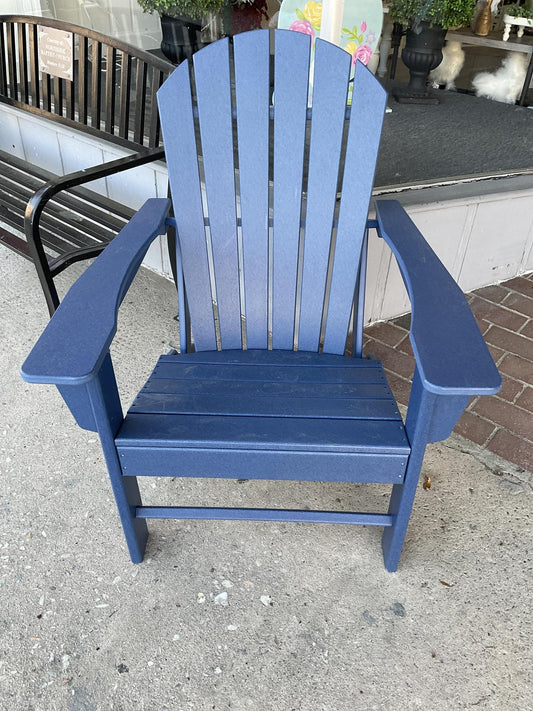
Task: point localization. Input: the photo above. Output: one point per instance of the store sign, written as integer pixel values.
(56, 52)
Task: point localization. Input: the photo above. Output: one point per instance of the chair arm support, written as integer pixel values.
(452, 357)
(74, 344)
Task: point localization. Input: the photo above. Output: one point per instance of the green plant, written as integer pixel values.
(442, 13)
(518, 11)
(195, 9)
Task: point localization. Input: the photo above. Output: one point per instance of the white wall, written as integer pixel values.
(482, 232)
(63, 150)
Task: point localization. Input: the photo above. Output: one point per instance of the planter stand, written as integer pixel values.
(421, 54)
(520, 22)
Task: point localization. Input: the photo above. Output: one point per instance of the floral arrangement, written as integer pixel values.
(356, 41)
(439, 13)
(194, 9)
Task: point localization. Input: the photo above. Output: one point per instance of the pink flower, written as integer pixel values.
(363, 53)
(303, 26)
(363, 26)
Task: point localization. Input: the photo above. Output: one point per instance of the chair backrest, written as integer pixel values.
(270, 197)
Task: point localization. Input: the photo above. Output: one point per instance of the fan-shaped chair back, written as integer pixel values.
(270, 251)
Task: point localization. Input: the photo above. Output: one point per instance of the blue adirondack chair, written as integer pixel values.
(272, 241)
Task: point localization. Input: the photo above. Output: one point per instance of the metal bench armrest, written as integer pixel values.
(451, 355)
(73, 346)
(39, 200)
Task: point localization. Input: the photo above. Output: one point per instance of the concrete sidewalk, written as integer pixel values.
(311, 620)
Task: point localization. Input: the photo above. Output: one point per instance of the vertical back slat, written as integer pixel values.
(34, 66)
(368, 106)
(212, 75)
(125, 98)
(83, 56)
(12, 61)
(153, 132)
(58, 96)
(177, 123)
(252, 94)
(3, 63)
(47, 92)
(70, 99)
(96, 84)
(110, 83)
(23, 63)
(290, 108)
(330, 86)
(140, 100)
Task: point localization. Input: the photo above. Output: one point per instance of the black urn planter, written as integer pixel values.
(421, 54)
(181, 37)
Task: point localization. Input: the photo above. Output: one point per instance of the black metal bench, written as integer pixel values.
(112, 95)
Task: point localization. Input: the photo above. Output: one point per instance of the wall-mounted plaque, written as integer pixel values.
(56, 52)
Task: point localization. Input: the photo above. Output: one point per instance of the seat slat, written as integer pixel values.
(263, 357)
(266, 433)
(252, 94)
(290, 111)
(275, 374)
(330, 88)
(260, 388)
(244, 405)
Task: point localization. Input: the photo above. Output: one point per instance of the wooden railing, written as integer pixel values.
(112, 90)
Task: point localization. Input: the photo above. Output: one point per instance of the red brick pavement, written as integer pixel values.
(502, 423)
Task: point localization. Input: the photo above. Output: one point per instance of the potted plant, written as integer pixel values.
(181, 24)
(243, 15)
(427, 22)
(516, 15)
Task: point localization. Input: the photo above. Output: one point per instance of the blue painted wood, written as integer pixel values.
(267, 433)
(291, 71)
(368, 107)
(212, 513)
(75, 342)
(105, 403)
(177, 125)
(275, 374)
(359, 301)
(259, 414)
(278, 406)
(252, 95)
(197, 387)
(212, 76)
(419, 412)
(451, 354)
(282, 465)
(330, 89)
(271, 358)
(301, 390)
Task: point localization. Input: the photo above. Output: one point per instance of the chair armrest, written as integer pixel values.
(74, 344)
(451, 355)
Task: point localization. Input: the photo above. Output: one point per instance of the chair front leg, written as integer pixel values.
(417, 425)
(108, 416)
